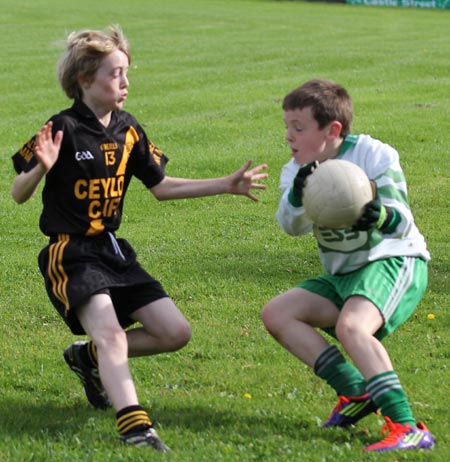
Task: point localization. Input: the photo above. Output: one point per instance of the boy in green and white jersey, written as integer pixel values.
(343, 251)
(376, 271)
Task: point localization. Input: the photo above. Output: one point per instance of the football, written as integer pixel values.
(335, 194)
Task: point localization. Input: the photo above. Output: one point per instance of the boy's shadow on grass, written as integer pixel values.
(200, 419)
(49, 419)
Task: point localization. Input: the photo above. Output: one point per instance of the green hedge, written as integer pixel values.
(404, 3)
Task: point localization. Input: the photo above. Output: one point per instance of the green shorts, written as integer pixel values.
(394, 285)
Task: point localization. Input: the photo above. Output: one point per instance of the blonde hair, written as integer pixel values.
(84, 54)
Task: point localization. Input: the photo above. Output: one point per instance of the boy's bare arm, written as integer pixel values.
(46, 152)
(240, 182)
(26, 184)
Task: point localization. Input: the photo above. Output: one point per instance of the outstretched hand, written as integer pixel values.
(242, 180)
(46, 148)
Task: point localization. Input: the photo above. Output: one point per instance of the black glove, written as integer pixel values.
(375, 216)
(300, 178)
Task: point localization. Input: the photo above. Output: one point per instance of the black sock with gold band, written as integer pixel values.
(136, 429)
(132, 419)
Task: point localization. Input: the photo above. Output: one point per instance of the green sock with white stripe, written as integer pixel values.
(342, 376)
(389, 396)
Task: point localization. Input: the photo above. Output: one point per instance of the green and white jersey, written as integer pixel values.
(344, 250)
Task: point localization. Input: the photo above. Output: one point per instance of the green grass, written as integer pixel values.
(207, 79)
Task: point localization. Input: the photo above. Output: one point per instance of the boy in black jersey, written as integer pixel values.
(88, 155)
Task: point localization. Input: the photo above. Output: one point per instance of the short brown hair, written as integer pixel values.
(84, 54)
(328, 101)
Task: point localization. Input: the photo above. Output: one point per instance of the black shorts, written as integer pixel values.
(77, 267)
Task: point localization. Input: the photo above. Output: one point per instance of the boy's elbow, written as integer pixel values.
(161, 191)
(18, 197)
(158, 195)
(18, 200)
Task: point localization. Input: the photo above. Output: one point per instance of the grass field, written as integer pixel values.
(207, 79)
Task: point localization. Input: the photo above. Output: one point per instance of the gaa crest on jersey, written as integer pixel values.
(84, 155)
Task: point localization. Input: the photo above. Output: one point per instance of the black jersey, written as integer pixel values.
(84, 190)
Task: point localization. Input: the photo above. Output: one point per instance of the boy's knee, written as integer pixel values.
(178, 335)
(271, 318)
(346, 329)
(112, 339)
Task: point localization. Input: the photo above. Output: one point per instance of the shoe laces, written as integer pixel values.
(396, 430)
(342, 400)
